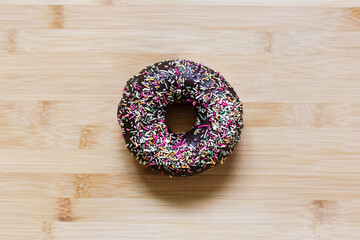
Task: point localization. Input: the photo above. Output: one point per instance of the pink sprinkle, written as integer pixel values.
(224, 134)
(146, 128)
(204, 126)
(194, 103)
(161, 120)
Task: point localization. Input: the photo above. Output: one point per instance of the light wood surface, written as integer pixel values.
(65, 172)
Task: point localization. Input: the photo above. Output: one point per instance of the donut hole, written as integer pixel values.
(180, 117)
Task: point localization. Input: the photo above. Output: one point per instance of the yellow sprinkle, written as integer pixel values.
(162, 148)
(150, 79)
(132, 141)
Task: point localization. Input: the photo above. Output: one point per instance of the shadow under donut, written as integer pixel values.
(191, 189)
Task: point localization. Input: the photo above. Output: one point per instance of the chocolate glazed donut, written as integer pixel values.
(141, 114)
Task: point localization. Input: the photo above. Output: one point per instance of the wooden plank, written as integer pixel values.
(163, 40)
(139, 3)
(208, 17)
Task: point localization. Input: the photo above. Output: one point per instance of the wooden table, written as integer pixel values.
(65, 172)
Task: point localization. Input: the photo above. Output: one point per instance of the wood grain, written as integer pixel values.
(65, 172)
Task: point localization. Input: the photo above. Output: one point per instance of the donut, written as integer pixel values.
(141, 115)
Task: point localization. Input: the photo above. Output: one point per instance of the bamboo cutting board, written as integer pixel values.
(65, 172)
